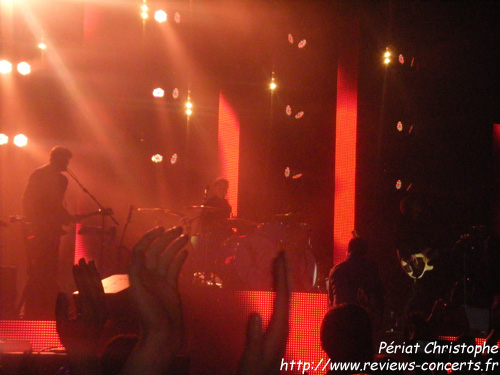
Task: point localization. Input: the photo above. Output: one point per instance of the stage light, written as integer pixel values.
(24, 68)
(158, 93)
(144, 11)
(273, 85)
(175, 93)
(177, 17)
(42, 46)
(20, 140)
(401, 59)
(287, 172)
(288, 110)
(297, 176)
(173, 159)
(302, 43)
(299, 115)
(157, 158)
(290, 38)
(5, 67)
(387, 56)
(4, 139)
(399, 184)
(189, 105)
(160, 16)
(399, 126)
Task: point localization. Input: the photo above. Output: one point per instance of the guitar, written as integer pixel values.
(417, 265)
(25, 224)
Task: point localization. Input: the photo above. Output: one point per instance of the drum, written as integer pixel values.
(286, 235)
(245, 262)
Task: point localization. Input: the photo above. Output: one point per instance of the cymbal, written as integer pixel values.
(289, 217)
(205, 208)
(159, 209)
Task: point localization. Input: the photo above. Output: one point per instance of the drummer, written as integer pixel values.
(214, 228)
(218, 199)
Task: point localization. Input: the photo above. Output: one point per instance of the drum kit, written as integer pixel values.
(236, 253)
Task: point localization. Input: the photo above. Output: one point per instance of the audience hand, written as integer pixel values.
(264, 351)
(80, 336)
(156, 262)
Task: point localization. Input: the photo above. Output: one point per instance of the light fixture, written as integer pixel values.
(5, 67)
(160, 16)
(173, 159)
(4, 139)
(20, 140)
(158, 92)
(157, 158)
(387, 56)
(273, 85)
(144, 11)
(24, 68)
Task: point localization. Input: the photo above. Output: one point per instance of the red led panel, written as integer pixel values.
(306, 314)
(229, 149)
(79, 245)
(82, 247)
(345, 142)
(41, 334)
(496, 145)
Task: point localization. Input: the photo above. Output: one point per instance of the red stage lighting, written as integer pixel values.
(173, 159)
(157, 158)
(302, 43)
(229, 149)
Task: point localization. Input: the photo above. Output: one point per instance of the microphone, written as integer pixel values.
(205, 194)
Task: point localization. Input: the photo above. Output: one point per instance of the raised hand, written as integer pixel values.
(80, 336)
(264, 350)
(156, 262)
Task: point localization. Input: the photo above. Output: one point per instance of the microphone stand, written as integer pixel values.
(101, 207)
